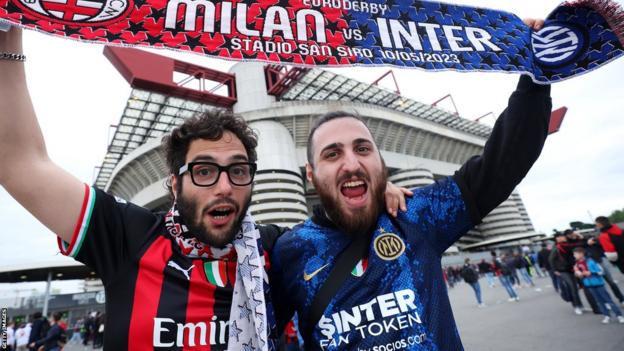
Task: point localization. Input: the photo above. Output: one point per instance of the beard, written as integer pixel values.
(197, 228)
(353, 222)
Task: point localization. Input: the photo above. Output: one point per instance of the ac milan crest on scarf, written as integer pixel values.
(578, 36)
(251, 314)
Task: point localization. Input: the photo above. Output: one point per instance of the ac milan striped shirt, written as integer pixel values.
(156, 297)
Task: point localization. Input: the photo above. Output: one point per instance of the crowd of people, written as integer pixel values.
(574, 263)
(38, 334)
(52, 334)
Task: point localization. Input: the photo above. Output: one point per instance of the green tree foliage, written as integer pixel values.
(617, 216)
(581, 225)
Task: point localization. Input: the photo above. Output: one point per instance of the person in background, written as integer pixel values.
(21, 337)
(98, 338)
(471, 277)
(486, 269)
(10, 336)
(39, 327)
(577, 240)
(595, 251)
(612, 240)
(523, 268)
(535, 263)
(76, 332)
(53, 339)
(562, 262)
(503, 267)
(543, 262)
(591, 273)
(449, 276)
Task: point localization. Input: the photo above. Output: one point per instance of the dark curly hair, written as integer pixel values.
(209, 125)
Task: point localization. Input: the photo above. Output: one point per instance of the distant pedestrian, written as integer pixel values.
(591, 273)
(98, 337)
(449, 277)
(470, 276)
(54, 338)
(10, 336)
(485, 268)
(612, 240)
(543, 262)
(536, 267)
(504, 271)
(76, 332)
(39, 328)
(21, 337)
(522, 268)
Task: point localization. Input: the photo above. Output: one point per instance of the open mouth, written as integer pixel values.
(355, 192)
(221, 215)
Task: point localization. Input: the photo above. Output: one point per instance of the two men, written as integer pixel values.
(193, 277)
(395, 297)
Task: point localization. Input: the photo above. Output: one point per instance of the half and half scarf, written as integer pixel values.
(248, 313)
(578, 36)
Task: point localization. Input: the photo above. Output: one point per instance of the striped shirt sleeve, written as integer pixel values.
(109, 233)
(82, 224)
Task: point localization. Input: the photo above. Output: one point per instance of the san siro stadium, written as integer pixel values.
(419, 142)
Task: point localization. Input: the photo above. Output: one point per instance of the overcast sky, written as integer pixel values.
(78, 94)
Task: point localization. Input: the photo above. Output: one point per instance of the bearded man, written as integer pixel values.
(394, 296)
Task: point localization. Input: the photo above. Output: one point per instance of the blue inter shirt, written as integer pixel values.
(398, 297)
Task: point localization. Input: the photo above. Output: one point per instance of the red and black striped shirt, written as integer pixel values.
(156, 297)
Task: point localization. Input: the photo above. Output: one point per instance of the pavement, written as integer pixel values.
(540, 321)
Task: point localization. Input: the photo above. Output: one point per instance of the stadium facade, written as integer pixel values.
(419, 142)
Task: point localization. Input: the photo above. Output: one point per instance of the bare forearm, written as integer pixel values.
(20, 136)
(26, 172)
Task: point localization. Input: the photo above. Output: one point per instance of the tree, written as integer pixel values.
(580, 225)
(617, 216)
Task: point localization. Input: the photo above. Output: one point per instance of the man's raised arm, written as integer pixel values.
(514, 145)
(52, 195)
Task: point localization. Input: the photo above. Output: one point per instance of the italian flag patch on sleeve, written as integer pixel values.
(360, 268)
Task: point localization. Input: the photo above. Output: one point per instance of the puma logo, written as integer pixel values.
(184, 271)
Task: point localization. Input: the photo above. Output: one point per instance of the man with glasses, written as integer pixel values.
(185, 278)
(191, 277)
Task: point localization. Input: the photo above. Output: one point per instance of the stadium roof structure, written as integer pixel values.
(158, 102)
(502, 240)
(40, 271)
(147, 115)
(318, 84)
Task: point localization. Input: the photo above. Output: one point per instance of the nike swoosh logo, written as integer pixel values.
(307, 276)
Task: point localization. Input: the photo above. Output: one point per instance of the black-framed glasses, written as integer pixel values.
(208, 173)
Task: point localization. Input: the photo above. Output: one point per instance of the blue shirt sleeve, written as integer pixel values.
(594, 267)
(439, 212)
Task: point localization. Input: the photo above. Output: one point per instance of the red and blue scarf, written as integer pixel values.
(578, 36)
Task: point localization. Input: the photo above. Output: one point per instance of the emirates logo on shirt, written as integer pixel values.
(169, 333)
(77, 12)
